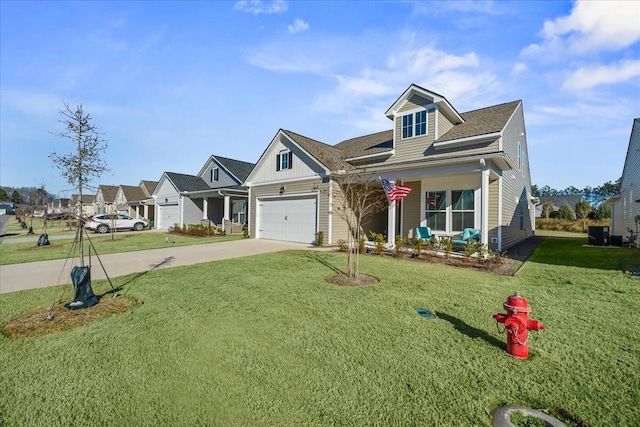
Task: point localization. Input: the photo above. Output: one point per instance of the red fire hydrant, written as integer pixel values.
(517, 324)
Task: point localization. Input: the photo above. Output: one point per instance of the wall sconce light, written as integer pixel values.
(166, 200)
(282, 190)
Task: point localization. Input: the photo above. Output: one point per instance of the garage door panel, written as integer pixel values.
(168, 215)
(288, 219)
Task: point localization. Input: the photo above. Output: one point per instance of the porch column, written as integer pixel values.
(484, 204)
(145, 211)
(227, 212)
(391, 223)
(205, 207)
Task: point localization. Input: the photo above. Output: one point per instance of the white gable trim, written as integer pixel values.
(219, 165)
(439, 100)
(262, 160)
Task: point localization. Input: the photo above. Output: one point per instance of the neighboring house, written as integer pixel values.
(88, 204)
(143, 205)
(465, 170)
(625, 206)
(105, 198)
(214, 196)
(557, 201)
(136, 200)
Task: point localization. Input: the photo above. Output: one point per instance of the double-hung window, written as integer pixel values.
(214, 175)
(284, 160)
(436, 210)
(421, 122)
(462, 209)
(414, 124)
(407, 126)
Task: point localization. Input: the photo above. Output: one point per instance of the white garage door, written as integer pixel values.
(168, 215)
(290, 219)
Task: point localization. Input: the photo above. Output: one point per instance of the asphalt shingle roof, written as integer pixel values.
(481, 122)
(368, 144)
(108, 192)
(149, 186)
(133, 193)
(331, 157)
(240, 169)
(185, 182)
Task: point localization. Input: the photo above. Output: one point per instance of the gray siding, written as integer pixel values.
(444, 125)
(411, 210)
(494, 211)
(224, 180)
(192, 211)
(516, 186)
(627, 208)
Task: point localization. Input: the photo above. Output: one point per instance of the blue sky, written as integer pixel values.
(171, 83)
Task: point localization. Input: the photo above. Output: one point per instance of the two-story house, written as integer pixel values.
(464, 169)
(214, 196)
(625, 206)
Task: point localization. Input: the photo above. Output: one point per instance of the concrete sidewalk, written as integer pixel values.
(17, 277)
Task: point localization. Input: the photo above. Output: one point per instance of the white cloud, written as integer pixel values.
(592, 26)
(589, 77)
(519, 68)
(298, 26)
(257, 6)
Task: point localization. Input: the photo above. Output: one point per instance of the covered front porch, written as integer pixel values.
(223, 208)
(447, 200)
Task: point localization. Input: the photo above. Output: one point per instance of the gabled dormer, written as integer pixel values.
(221, 172)
(419, 118)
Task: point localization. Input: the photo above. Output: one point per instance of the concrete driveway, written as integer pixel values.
(17, 277)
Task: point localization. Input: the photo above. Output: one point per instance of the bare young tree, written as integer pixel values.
(86, 163)
(356, 196)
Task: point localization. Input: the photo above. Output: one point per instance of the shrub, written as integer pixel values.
(379, 240)
(417, 246)
(342, 245)
(400, 242)
(320, 238)
(196, 230)
(446, 243)
(245, 232)
(361, 245)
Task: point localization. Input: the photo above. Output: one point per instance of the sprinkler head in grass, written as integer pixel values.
(425, 313)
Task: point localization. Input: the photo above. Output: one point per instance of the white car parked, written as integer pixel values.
(102, 223)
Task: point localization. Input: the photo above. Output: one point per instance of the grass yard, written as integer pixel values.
(53, 227)
(264, 341)
(16, 253)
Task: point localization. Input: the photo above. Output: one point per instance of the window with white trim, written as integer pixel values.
(436, 210)
(214, 174)
(421, 122)
(462, 209)
(414, 124)
(284, 160)
(239, 212)
(407, 126)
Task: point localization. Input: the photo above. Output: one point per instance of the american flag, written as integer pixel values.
(394, 192)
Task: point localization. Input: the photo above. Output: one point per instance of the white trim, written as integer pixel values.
(488, 137)
(403, 167)
(372, 156)
(484, 205)
(262, 159)
(500, 213)
(330, 215)
(278, 181)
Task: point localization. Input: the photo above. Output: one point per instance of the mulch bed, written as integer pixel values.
(37, 322)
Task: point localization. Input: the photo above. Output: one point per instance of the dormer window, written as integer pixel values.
(414, 124)
(284, 160)
(214, 175)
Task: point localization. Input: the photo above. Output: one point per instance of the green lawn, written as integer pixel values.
(53, 227)
(264, 341)
(15, 253)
